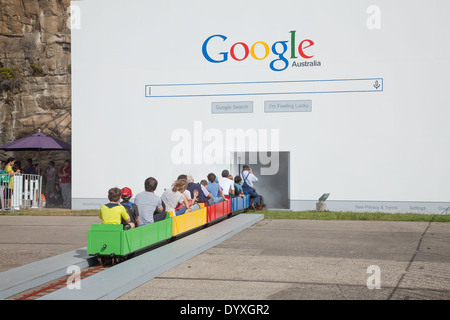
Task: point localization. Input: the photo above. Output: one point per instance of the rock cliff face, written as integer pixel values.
(35, 79)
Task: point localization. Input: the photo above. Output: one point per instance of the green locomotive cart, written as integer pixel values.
(111, 243)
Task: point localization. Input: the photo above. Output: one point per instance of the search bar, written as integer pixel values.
(263, 88)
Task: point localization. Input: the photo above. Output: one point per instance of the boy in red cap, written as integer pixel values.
(132, 209)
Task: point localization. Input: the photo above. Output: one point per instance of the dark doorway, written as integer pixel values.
(272, 171)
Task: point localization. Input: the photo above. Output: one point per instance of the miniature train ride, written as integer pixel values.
(111, 244)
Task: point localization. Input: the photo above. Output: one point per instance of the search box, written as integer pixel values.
(263, 88)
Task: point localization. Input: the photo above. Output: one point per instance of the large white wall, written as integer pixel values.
(389, 146)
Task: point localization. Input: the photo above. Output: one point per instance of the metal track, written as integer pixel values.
(50, 287)
(35, 274)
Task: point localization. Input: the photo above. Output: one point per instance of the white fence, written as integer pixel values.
(20, 191)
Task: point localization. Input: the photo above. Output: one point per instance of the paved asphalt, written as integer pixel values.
(274, 259)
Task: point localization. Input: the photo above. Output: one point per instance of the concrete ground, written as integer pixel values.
(274, 259)
(26, 239)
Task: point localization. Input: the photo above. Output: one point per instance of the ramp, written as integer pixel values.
(110, 284)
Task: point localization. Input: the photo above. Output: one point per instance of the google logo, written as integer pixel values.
(278, 48)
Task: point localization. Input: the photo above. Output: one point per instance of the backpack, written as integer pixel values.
(261, 204)
(130, 210)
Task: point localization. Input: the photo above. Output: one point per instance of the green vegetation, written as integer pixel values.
(311, 215)
(36, 67)
(372, 216)
(9, 78)
(7, 73)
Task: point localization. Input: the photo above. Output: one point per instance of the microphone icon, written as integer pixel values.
(377, 85)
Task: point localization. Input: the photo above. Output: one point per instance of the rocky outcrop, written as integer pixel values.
(35, 79)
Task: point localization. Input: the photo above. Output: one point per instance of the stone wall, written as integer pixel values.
(35, 79)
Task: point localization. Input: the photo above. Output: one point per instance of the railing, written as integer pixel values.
(20, 191)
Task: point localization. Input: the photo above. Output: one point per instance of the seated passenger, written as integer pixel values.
(203, 195)
(192, 201)
(204, 187)
(226, 184)
(214, 188)
(114, 212)
(150, 205)
(174, 198)
(192, 198)
(132, 208)
(239, 192)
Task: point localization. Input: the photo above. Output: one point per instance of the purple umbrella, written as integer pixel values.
(37, 141)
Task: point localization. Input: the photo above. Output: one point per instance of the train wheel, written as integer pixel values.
(105, 261)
